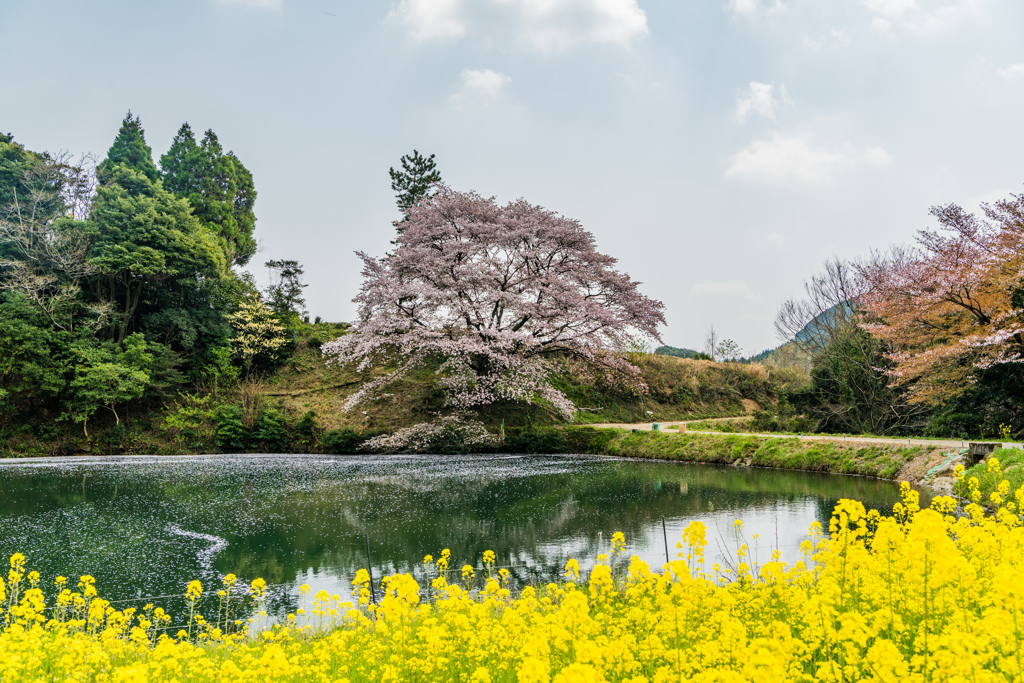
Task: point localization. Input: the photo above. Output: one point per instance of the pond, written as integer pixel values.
(145, 526)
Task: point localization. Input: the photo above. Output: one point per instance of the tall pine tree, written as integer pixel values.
(129, 150)
(149, 252)
(412, 183)
(217, 185)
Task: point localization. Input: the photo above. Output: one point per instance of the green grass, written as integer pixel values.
(882, 460)
(1011, 466)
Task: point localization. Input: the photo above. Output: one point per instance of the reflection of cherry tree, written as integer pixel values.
(955, 304)
(494, 293)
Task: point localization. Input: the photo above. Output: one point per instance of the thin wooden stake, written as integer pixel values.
(369, 568)
(664, 535)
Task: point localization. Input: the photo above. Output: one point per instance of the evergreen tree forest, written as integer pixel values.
(118, 287)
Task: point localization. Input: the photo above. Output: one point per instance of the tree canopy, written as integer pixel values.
(954, 305)
(496, 292)
(413, 181)
(129, 150)
(218, 187)
(119, 290)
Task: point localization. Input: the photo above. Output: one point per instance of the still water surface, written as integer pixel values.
(144, 526)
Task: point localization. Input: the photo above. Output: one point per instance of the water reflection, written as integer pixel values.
(144, 526)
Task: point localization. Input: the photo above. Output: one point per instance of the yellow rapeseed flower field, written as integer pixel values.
(932, 594)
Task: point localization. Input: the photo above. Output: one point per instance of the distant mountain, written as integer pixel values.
(763, 356)
(677, 352)
(788, 353)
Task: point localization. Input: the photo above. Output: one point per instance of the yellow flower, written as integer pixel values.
(923, 594)
(618, 543)
(572, 569)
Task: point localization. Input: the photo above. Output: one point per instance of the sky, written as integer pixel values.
(721, 150)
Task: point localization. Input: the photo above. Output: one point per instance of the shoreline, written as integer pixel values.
(889, 460)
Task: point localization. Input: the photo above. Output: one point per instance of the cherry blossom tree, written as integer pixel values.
(495, 293)
(953, 305)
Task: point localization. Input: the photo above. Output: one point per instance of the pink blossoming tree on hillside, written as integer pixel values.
(495, 293)
(953, 305)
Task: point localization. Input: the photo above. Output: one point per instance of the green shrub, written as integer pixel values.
(271, 430)
(536, 440)
(231, 434)
(114, 437)
(345, 441)
(587, 439)
(189, 423)
(306, 427)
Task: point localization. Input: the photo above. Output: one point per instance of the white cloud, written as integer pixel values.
(726, 290)
(257, 4)
(482, 83)
(876, 156)
(743, 6)
(749, 7)
(760, 99)
(838, 38)
(1011, 71)
(544, 25)
(891, 8)
(918, 16)
(431, 19)
(793, 160)
(882, 27)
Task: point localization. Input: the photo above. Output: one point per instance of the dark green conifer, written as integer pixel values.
(412, 183)
(217, 185)
(130, 150)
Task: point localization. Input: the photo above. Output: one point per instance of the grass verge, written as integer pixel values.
(882, 460)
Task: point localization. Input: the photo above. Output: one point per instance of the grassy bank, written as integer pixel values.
(1005, 464)
(882, 460)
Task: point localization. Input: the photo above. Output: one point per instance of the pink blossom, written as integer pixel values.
(497, 293)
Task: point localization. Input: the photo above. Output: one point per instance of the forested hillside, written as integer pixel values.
(117, 286)
(126, 324)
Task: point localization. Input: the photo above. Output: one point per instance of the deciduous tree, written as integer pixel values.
(711, 341)
(849, 389)
(954, 304)
(258, 334)
(494, 292)
(285, 291)
(727, 351)
(106, 376)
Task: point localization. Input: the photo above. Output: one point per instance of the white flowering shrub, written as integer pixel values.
(448, 434)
